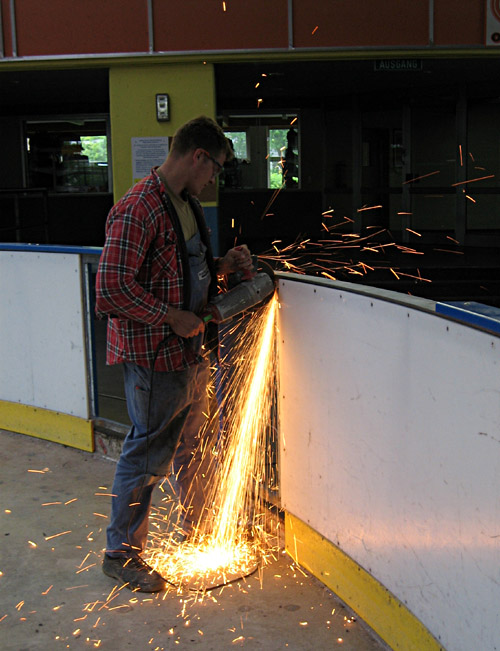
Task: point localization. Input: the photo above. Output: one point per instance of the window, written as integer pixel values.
(67, 154)
(239, 142)
(283, 158)
(266, 148)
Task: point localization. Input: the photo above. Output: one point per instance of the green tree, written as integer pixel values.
(95, 148)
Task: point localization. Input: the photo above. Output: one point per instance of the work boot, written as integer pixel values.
(134, 572)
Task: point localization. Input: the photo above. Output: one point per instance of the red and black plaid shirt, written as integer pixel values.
(140, 275)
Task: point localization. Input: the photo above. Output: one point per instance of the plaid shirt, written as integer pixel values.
(143, 271)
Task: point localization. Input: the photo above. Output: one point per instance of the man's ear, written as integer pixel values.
(198, 155)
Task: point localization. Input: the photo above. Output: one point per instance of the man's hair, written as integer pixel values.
(204, 133)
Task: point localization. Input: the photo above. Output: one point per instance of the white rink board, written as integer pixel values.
(390, 448)
(42, 342)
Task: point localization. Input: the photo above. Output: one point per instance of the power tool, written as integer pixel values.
(244, 295)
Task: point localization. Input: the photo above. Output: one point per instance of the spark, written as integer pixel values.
(51, 503)
(461, 159)
(414, 232)
(368, 208)
(315, 30)
(56, 535)
(84, 560)
(70, 501)
(87, 567)
(424, 176)
(419, 277)
(273, 198)
(480, 178)
(76, 587)
(449, 251)
(224, 6)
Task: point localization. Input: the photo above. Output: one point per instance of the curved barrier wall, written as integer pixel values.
(390, 460)
(390, 442)
(45, 378)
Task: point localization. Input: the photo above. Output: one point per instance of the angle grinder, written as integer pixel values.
(244, 295)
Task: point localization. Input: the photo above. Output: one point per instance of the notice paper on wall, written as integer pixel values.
(147, 153)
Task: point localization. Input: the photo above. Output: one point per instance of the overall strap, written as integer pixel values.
(181, 242)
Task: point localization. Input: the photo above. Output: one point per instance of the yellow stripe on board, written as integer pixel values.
(46, 424)
(380, 609)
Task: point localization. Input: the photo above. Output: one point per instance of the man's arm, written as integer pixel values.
(118, 291)
(128, 238)
(184, 323)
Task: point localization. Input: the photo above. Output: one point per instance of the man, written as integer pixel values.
(155, 276)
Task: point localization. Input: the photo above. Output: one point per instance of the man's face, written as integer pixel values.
(206, 168)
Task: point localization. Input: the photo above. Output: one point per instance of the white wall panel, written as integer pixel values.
(42, 342)
(390, 421)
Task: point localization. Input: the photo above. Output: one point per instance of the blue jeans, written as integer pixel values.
(175, 417)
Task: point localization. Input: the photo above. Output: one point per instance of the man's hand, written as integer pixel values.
(184, 323)
(237, 259)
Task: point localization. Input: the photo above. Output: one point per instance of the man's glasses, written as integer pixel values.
(217, 166)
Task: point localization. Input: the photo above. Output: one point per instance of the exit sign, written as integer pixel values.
(397, 65)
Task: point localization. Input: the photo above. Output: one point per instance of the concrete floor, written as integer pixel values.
(53, 594)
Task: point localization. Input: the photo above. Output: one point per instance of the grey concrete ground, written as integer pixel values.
(53, 594)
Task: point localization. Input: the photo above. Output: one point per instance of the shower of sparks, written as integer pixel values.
(339, 254)
(230, 540)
